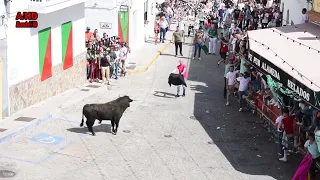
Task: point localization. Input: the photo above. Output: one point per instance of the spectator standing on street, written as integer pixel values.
(96, 35)
(156, 31)
(243, 88)
(226, 70)
(224, 49)
(123, 58)
(116, 62)
(312, 148)
(88, 34)
(231, 77)
(212, 39)
(181, 69)
(279, 134)
(177, 39)
(105, 67)
(113, 62)
(89, 61)
(163, 29)
(288, 138)
(198, 43)
(248, 16)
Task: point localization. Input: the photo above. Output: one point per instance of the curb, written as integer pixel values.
(16, 132)
(153, 60)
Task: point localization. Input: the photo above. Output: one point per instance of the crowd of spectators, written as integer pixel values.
(297, 124)
(106, 57)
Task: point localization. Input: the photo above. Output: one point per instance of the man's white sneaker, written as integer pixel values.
(199, 58)
(240, 110)
(283, 159)
(227, 104)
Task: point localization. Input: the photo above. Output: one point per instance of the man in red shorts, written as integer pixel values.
(288, 139)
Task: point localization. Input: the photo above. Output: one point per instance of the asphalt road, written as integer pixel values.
(160, 137)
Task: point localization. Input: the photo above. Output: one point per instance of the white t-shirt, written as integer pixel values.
(163, 24)
(304, 18)
(181, 25)
(278, 121)
(231, 76)
(265, 19)
(243, 83)
(276, 15)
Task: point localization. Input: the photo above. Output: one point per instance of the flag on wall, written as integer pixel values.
(67, 45)
(45, 58)
(123, 23)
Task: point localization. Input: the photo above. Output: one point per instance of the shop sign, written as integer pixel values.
(268, 68)
(105, 25)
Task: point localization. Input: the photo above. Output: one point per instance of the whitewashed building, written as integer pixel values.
(43, 61)
(292, 10)
(137, 24)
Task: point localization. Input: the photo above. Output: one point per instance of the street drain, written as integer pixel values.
(126, 131)
(6, 174)
(167, 136)
(93, 86)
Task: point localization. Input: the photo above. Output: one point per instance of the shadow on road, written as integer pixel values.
(240, 136)
(84, 130)
(181, 57)
(164, 94)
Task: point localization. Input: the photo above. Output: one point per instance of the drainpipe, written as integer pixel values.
(0, 88)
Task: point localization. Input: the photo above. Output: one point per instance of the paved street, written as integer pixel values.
(160, 137)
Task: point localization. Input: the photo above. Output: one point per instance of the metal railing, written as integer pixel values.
(39, 1)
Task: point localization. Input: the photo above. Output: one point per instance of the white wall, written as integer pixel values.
(23, 51)
(104, 11)
(136, 24)
(295, 7)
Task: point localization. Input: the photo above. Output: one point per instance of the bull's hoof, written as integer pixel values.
(114, 133)
(93, 134)
(100, 122)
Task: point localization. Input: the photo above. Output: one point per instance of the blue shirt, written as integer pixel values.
(221, 12)
(248, 14)
(168, 18)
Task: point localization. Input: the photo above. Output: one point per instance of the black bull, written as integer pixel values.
(176, 79)
(108, 111)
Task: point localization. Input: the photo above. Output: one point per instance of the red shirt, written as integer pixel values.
(288, 124)
(224, 48)
(181, 68)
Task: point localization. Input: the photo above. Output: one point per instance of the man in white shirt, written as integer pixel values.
(279, 134)
(163, 29)
(304, 18)
(231, 77)
(243, 87)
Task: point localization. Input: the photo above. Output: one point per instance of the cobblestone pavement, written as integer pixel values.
(160, 137)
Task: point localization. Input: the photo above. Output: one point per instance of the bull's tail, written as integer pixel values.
(82, 121)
